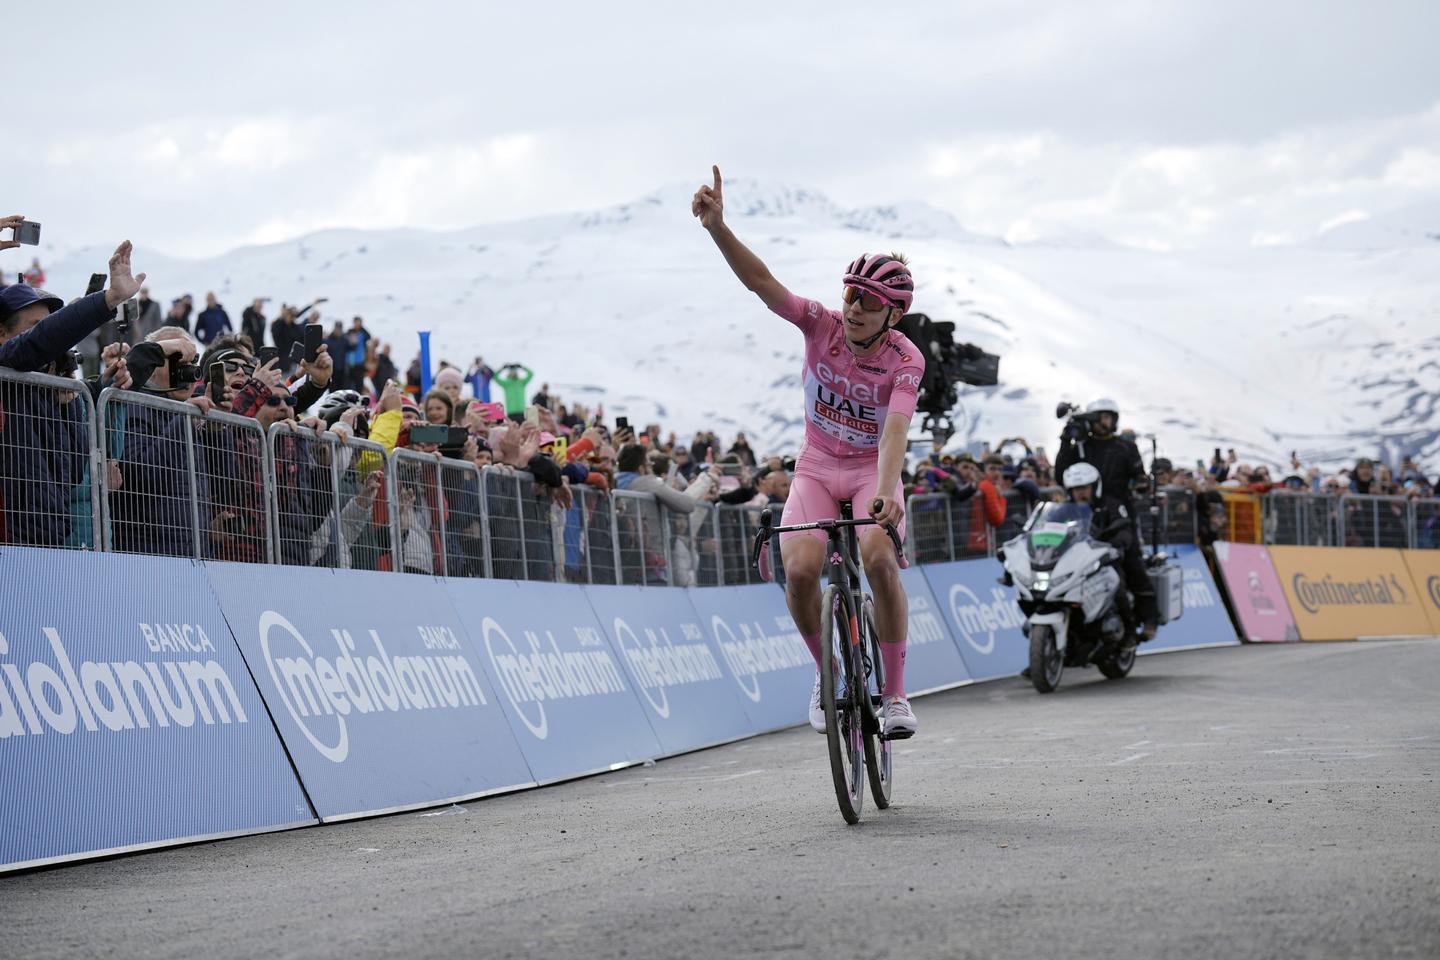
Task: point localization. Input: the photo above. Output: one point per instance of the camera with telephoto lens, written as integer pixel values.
(183, 373)
(947, 363)
(1080, 424)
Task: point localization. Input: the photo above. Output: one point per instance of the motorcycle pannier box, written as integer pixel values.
(1169, 584)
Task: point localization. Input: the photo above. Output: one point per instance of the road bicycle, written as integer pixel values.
(851, 669)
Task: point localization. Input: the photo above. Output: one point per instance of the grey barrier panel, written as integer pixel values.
(153, 500)
(641, 538)
(363, 482)
(305, 500)
(464, 519)
(504, 535)
(590, 537)
(234, 460)
(970, 532)
(1368, 521)
(47, 462)
(416, 509)
(733, 528)
(928, 527)
(703, 564)
(1301, 519)
(1425, 524)
(539, 529)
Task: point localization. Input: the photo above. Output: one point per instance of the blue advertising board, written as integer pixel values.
(127, 717)
(561, 682)
(932, 661)
(1205, 622)
(374, 685)
(690, 697)
(763, 652)
(983, 616)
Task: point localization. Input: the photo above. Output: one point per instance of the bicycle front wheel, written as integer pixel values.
(838, 695)
(877, 751)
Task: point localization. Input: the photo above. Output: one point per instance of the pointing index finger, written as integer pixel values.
(716, 169)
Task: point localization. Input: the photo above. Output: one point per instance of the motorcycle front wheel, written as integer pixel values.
(1047, 663)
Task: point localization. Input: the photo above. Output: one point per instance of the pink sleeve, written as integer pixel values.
(801, 312)
(903, 390)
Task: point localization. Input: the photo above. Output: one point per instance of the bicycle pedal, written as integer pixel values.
(897, 735)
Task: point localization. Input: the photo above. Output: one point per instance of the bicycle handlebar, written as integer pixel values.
(768, 529)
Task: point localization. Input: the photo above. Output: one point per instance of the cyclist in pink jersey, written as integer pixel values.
(861, 381)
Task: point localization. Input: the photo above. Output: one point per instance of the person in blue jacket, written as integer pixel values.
(212, 322)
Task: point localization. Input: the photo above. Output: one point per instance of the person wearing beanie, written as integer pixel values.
(451, 381)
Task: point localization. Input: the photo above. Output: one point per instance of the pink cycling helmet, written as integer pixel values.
(883, 275)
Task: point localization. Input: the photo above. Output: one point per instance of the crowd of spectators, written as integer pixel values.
(351, 389)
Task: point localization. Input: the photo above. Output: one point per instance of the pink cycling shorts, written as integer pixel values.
(820, 483)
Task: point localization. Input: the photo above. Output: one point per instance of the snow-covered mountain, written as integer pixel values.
(1333, 348)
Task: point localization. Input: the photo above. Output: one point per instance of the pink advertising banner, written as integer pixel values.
(1256, 593)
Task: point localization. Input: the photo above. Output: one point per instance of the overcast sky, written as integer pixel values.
(195, 127)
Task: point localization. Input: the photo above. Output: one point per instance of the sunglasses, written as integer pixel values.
(870, 302)
(274, 401)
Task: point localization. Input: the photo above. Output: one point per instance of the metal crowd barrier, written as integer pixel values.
(154, 500)
(642, 538)
(1300, 519)
(461, 487)
(234, 455)
(504, 528)
(47, 461)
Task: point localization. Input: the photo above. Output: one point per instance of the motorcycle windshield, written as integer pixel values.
(1053, 528)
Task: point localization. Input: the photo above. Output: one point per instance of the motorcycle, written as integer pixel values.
(1068, 585)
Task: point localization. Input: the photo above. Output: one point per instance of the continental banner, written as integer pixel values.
(1424, 568)
(1344, 593)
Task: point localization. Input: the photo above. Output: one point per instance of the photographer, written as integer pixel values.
(1090, 437)
(151, 509)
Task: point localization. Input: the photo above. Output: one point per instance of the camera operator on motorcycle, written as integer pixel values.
(1118, 466)
(1080, 481)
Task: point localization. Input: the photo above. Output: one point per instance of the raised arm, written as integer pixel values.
(708, 207)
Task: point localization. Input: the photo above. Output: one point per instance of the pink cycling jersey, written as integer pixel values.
(847, 398)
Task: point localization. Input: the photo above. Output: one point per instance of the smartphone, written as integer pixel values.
(265, 354)
(622, 423)
(532, 414)
(433, 433)
(1217, 453)
(96, 284)
(129, 313)
(297, 352)
(28, 233)
(494, 412)
(314, 337)
(216, 380)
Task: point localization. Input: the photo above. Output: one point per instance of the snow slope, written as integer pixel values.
(1332, 348)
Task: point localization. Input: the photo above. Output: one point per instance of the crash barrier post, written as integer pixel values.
(504, 528)
(132, 730)
(1371, 521)
(1242, 516)
(1301, 519)
(48, 457)
(642, 539)
(153, 500)
(1351, 593)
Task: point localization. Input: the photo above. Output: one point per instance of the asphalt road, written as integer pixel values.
(1249, 802)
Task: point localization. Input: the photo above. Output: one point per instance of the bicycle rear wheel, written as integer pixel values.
(843, 733)
(877, 751)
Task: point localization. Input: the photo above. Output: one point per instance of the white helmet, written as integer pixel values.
(1080, 474)
(1104, 405)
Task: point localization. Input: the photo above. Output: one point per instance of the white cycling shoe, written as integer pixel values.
(897, 720)
(817, 709)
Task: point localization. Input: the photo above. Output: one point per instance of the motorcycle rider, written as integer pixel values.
(1119, 467)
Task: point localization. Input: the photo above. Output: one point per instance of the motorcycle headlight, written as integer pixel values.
(1041, 581)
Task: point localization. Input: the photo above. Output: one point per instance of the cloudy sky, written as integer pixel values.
(197, 127)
